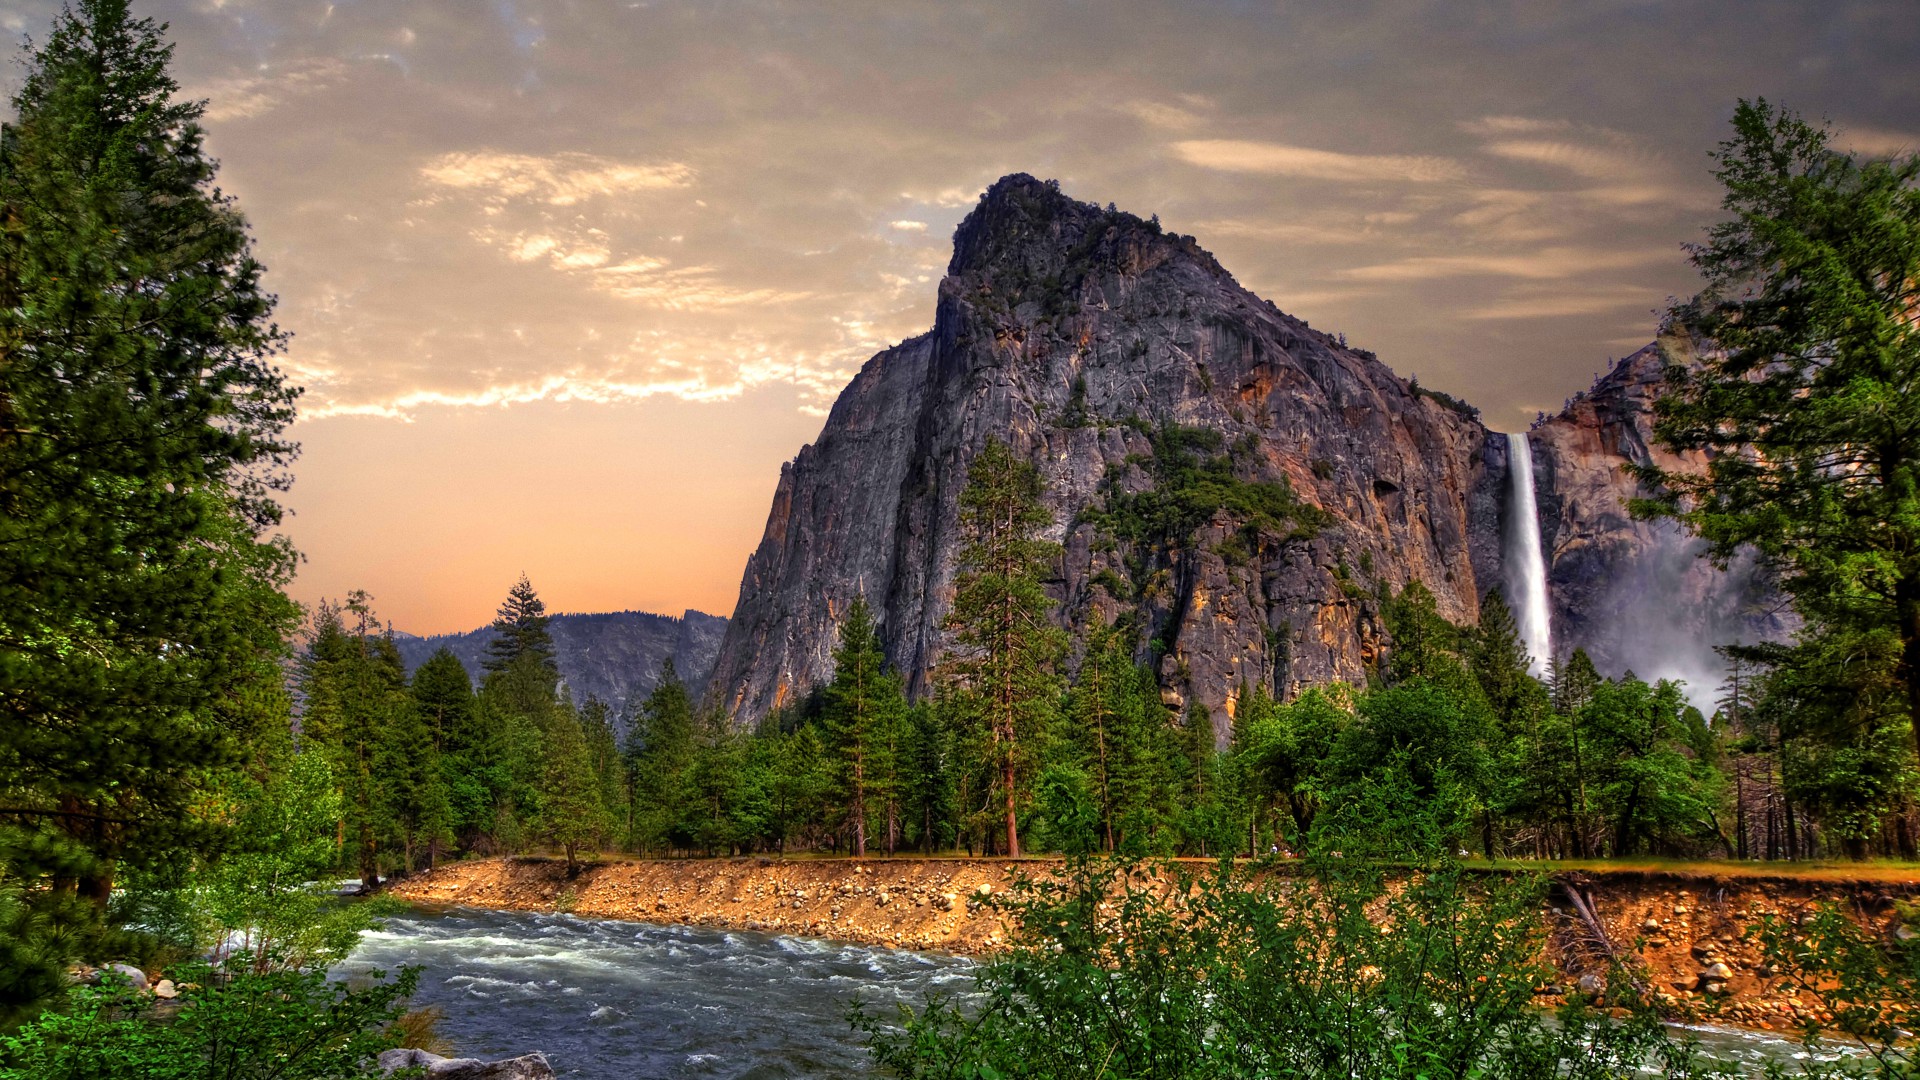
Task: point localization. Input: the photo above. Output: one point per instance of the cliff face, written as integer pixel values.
(614, 656)
(1102, 350)
(1075, 335)
(1636, 595)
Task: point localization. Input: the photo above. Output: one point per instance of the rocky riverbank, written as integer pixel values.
(1686, 933)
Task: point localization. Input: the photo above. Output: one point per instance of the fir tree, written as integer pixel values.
(141, 446)
(1004, 647)
(520, 632)
(354, 687)
(572, 815)
(1806, 402)
(864, 707)
(659, 750)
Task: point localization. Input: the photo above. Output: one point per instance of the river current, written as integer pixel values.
(620, 1000)
(635, 1001)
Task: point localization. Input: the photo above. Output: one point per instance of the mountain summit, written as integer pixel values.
(1238, 487)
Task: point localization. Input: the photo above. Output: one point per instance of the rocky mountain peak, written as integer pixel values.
(1234, 489)
(1024, 231)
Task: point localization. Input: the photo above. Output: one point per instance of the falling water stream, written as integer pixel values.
(1526, 565)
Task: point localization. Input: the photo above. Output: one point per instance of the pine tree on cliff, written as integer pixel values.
(865, 705)
(1005, 649)
(1807, 405)
(520, 631)
(141, 443)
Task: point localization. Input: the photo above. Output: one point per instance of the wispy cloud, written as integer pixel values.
(559, 180)
(1565, 303)
(1876, 142)
(1280, 159)
(244, 97)
(1545, 264)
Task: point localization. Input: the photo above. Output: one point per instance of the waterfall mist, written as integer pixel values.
(1526, 566)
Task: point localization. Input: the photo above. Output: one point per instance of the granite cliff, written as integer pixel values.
(1124, 361)
(614, 655)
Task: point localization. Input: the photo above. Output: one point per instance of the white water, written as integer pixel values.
(1526, 566)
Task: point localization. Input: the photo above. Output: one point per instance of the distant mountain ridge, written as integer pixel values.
(614, 656)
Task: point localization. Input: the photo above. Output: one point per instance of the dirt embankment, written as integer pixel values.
(1687, 933)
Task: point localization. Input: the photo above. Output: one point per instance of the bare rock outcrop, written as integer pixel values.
(1105, 351)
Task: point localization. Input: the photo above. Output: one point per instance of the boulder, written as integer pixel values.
(1717, 972)
(526, 1067)
(132, 974)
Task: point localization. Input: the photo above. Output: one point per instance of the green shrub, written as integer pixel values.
(231, 1024)
(1130, 972)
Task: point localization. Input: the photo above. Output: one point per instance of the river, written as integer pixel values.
(633, 1001)
(618, 1000)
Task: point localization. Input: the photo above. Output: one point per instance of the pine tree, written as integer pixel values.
(659, 750)
(442, 695)
(520, 632)
(1806, 400)
(572, 816)
(416, 811)
(865, 706)
(141, 446)
(603, 750)
(354, 686)
(1004, 646)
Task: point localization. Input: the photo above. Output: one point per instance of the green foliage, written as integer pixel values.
(356, 709)
(1804, 398)
(659, 751)
(1868, 986)
(270, 894)
(866, 709)
(141, 449)
(277, 1025)
(1192, 481)
(572, 815)
(1005, 647)
(1146, 972)
(520, 631)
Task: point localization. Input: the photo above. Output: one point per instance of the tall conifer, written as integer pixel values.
(1005, 647)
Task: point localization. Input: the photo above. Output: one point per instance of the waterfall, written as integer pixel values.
(1526, 567)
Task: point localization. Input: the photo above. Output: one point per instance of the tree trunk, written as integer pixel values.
(1906, 598)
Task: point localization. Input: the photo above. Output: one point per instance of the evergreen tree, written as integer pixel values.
(141, 446)
(354, 687)
(865, 705)
(1806, 401)
(416, 810)
(603, 751)
(442, 695)
(659, 750)
(1004, 647)
(520, 632)
(572, 815)
(927, 790)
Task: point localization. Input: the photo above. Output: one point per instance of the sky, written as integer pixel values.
(569, 280)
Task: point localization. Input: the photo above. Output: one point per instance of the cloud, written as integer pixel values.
(1585, 161)
(559, 180)
(1280, 159)
(907, 226)
(1512, 125)
(244, 97)
(1563, 304)
(1544, 264)
(1875, 142)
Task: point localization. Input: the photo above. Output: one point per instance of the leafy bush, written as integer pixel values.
(1130, 972)
(230, 1025)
